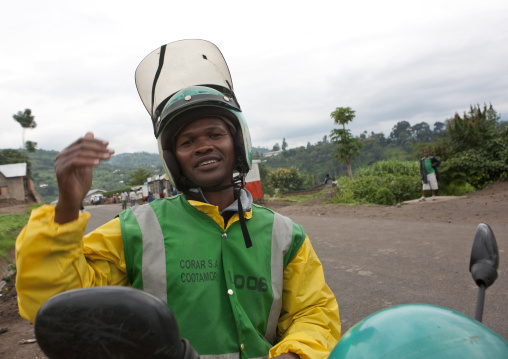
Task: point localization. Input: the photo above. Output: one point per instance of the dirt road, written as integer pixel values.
(374, 257)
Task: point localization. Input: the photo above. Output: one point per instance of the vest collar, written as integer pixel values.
(245, 198)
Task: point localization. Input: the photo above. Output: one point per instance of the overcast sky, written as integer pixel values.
(292, 63)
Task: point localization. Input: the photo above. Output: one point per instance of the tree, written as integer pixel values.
(475, 149)
(9, 156)
(401, 132)
(474, 128)
(287, 179)
(26, 120)
(421, 132)
(139, 176)
(439, 129)
(284, 144)
(347, 146)
(372, 148)
(276, 147)
(30, 146)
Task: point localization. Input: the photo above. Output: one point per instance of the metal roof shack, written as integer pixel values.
(12, 181)
(13, 170)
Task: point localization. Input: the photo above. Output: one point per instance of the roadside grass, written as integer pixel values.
(322, 197)
(10, 226)
(295, 199)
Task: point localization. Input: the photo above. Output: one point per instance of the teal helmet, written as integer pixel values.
(420, 331)
(190, 104)
(181, 82)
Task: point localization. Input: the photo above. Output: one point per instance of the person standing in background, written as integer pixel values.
(132, 196)
(429, 174)
(124, 197)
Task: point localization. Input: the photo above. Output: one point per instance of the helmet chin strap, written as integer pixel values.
(243, 225)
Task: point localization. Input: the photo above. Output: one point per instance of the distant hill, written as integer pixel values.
(111, 175)
(313, 161)
(137, 159)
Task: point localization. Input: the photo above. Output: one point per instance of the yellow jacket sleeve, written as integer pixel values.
(309, 324)
(52, 258)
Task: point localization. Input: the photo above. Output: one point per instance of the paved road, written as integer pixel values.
(373, 264)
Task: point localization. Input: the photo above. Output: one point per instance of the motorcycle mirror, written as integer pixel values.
(109, 322)
(484, 256)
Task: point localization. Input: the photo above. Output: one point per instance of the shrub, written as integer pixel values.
(455, 189)
(476, 167)
(401, 187)
(476, 148)
(287, 179)
(408, 168)
(385, 183)
(385, 196)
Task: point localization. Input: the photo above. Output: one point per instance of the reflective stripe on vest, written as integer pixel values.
(154, 258)
(154, 254)
(281, 240)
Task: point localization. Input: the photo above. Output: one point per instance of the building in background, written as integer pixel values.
(16, 185)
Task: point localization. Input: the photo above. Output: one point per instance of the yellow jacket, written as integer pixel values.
(53, 258)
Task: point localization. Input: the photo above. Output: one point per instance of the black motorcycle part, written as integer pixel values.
(109, 322)
(484, 256)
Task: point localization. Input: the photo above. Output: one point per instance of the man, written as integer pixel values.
(429, 174)
(139, 196)
(124, 200)
(133, 197)
(242, 281)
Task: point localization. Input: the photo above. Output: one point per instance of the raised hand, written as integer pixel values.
(74, 172)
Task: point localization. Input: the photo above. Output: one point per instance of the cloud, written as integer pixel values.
(73, 64)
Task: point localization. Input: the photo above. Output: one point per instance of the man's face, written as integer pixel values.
(204, 150)
(426, 153)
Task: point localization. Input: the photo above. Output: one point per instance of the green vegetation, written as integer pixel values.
(397, 167)
(10, 226)
(385, 183)
(314, 161)
(302, 198)
(110, 176)
(136, 160)
(9, 156)
(287, 179)
(388, 183)
(347, 147)
(473, 149)
(139, 176)
(476, 148)
(26, 121)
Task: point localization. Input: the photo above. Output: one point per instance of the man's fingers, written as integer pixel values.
(90, 136)
(84, 154)
(74, 162)
(87, 147)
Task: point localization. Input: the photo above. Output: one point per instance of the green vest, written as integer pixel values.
(226, 298)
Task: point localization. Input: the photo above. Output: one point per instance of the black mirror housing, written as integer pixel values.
(484, 256)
